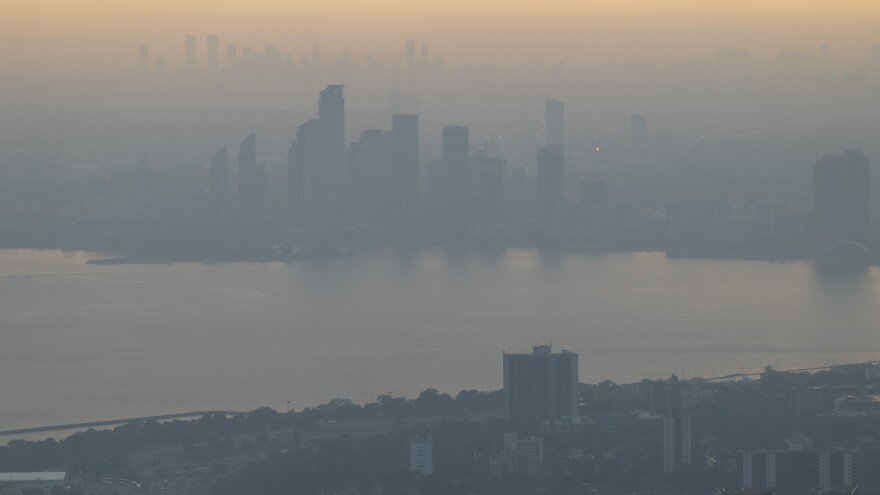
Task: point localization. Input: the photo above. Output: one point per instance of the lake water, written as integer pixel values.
(93, 342)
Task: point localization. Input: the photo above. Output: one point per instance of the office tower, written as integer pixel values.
(294, 177)
(841, 199)
(677, 442)
(540, 386)
(550, 171)
(456, 145)
(638, 129)
(190, 52)
(521, 195)
(144, 58)
(331, 115)
(317, 169)
(421, 454)
(218, 185)
(410, 54)
(305, 180)
(261, 191)
(455, 188)
(555, 122)
(247, 180)
(213, 51)
(424, 56)
(488, 189)
(370, 183)
(405, 163)
(317, 63)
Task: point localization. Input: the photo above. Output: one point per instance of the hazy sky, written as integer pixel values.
(37, 33)
(112, 18)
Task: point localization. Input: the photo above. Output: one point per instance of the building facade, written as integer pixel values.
(540, 386)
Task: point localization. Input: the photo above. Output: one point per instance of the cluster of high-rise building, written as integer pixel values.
(373, 190)
(210, 57)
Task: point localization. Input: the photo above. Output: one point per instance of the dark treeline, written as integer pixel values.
(95, 452)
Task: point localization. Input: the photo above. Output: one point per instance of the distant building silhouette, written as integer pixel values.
(317, 62)
(421, 454)
(317, 171)
(144, 58)
(595, 211)
(841, 196)
(405, 162)
(638, 129)
(190, 51)
(410, 54)
(555, 122)
(806, 471)
(677, 442)
(540, 386)
(231, 55)
(488, 190)
(218, 185)
(370, 183)
(455, 182)
(261, 192)
(551, 178)
(248, 208)
(212, 48)
(305, 179)
(331, 115)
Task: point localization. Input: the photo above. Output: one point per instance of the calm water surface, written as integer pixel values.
(92, 342)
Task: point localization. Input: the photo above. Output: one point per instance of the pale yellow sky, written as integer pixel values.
(461, 30)
(139, 18)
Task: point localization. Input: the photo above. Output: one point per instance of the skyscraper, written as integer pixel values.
(213, 51)
(331, 115)
(410, 54)
(638, 129)
(405, 162)
(455, 189)
(190, 52)
(555, 122)
(841, 197)
(305, 179)
(551, 175)
(317, 170)
(677, 442)
(218, 185)
(540, 386)
(370, 183)
(247, 179)
(488, 188)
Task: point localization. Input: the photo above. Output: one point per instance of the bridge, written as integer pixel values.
(735, 376)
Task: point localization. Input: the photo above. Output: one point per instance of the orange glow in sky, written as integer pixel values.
(114, 18)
